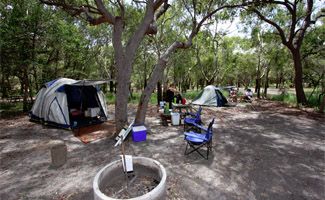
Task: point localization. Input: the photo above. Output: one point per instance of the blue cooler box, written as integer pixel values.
(139, 133)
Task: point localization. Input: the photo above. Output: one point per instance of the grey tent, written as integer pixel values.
(210, 96)
(69, 103)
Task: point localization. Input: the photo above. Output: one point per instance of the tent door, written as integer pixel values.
(84, 105)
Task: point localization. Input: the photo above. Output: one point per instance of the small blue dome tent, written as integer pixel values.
(69, 103)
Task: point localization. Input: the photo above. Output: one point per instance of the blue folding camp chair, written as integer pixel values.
(193, 120)
(196, 140)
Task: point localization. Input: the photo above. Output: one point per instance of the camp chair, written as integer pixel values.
(196, 140)
(193, 120)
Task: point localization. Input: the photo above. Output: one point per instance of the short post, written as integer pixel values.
(58, 153)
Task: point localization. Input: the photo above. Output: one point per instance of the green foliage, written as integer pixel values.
(41, 43)
(110, 97)
(290, 99)
(11, 107)
(286, 98)
(190, 95)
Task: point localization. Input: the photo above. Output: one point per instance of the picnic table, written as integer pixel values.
(180, 107)
(14, 98)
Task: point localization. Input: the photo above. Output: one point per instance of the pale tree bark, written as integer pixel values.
(156, 76)
(301, 97)
(266, 81)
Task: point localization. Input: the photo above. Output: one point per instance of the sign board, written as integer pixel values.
(123, 134)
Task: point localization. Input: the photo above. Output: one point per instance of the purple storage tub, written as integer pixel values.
(139, 133)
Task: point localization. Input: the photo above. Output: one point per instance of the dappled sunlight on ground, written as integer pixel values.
(260, 151)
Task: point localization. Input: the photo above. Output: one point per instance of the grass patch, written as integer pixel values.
(190, 95)
(8, 110)
(10, 107)
(110, 97)
(289, 98)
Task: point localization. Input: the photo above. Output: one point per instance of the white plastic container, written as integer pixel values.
(175, 118)
(93, 112)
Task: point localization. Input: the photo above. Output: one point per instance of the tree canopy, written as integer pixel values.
(142, 43)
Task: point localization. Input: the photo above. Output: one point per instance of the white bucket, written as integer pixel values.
(175, 118)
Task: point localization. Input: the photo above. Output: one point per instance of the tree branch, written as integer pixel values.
(279, 29)
(135, 39)
(104, 11)
(196, 29)
(121, 5)
(307, 22)
(77, 10)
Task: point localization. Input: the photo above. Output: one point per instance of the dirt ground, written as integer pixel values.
(260, 151)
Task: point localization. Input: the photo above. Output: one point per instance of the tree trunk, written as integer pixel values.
(111, 86)
(258, 86)
(25, 85)
(31, 92)
(159, 92)
(4, 86)
(322, 103)
(145, 96)
(258, 77)
(300, 94)
(122, 94)
(266, 83)
(156, 76)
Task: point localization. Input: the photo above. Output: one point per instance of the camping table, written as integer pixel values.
(187, 108)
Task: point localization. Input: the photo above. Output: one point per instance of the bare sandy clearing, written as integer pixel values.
(260, 151)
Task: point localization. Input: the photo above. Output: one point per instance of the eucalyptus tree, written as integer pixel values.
(198, 14)
(127, 36)
(290, 19)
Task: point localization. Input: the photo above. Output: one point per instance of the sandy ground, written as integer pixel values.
(260, 151)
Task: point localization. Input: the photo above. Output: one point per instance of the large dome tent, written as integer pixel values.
(69, 103)
(210, 96)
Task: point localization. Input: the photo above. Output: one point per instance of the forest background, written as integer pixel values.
(44, 40)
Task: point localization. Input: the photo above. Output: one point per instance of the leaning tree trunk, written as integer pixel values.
(156, 76)
(145, 96)
(300, 94)
(159, 93)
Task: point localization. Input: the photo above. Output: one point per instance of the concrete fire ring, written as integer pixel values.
(159, 192)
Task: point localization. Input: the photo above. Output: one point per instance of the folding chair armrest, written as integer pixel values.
(201, 127)
(191, 114)
(195, 135)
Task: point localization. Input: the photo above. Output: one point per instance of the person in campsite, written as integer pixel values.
(233, 95)
(170, 95)
(248, 95)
